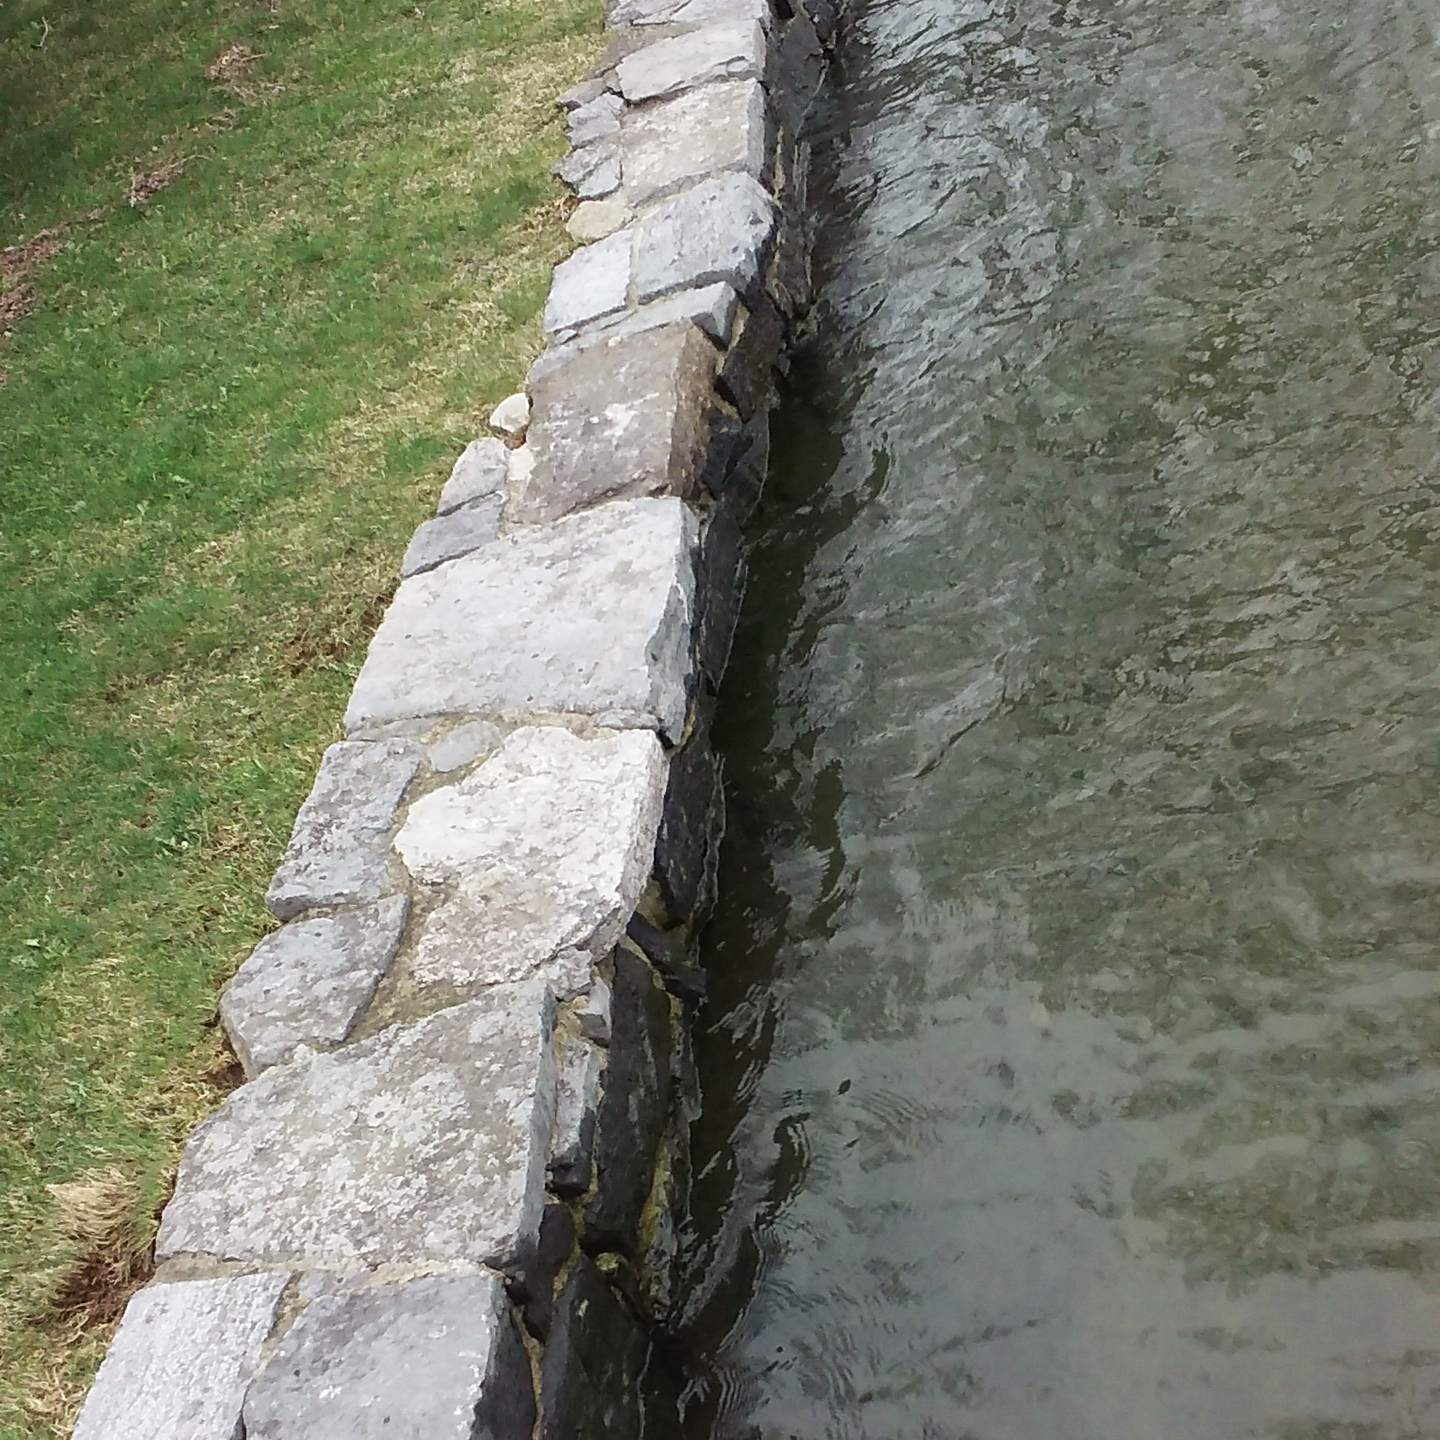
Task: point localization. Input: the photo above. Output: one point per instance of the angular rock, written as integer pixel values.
(535, 1290)
(728, 51)
(747, 373)
(628, 417)
(824, 14)
(687, 845)
(423, 1145)
(721, 584)
(339, 849)
(719, 231)
(690, 13)
(597, 119)
(541, 854)
(602, 180)
(580, 94)
(179, 1364)
(522, 464)
(307, 983)
(590, 616)
(591, 1376)
(463, 744)
(593, 1012)
(437, 1358)
(668, 954)
(448, 536)
(799, 72)
(510, 417)
(595, 219)
(709, 131)
(572, 1149)
(633, 1109)
(594, 281)
(790, 278)
(479, 472)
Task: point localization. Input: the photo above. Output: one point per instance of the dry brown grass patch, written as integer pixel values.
(146, 184)
(98, 1213)
(232, 70)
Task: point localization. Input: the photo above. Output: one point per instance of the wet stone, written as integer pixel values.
(425, 1144)
(668, 953)
(590, 615)
(800, 68)
(478, 474)
(572, 1151)
(594, 281)
(624, 418)
(747, 372)
(535, 1290)
(721, 585)
(307, 983)
(540, 855)
(719, 231)
(447, 537)
(687, 845)
(729, 51)
(437, 1358)
(593, 1012)
(339, 849)
(708, 131)
(179, 1364)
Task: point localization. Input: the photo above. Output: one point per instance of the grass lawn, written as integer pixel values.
(224, 410)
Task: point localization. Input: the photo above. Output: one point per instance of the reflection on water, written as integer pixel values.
(1072, 1070)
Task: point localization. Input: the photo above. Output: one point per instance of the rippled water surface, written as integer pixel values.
(1072, 1068)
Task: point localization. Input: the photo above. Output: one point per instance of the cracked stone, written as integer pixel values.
(478, 473)
(594, 281)
(437, 1358)
(425, 1144)
(719, 231)
(572, 1149)
(601, 181)
(179, 1364)
(447, 537)
(707, 131)
(627, 417)
(718, 52)
(597, 119)
(590, 615)
(307, 983)
(541, 855)
(339, 849)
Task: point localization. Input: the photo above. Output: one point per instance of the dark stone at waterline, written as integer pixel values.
(534, 1291)
(633, 1109)
(668, 953)
(689, 824)
(721, 583)
(748, 367)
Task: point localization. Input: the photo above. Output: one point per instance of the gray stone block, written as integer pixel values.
(669, 954)
(597, 119)
(594, 281)
(589, 616)
(463, 744)
(535, 1290)
(539, 856)
(572, 1149)
(713, 130)
(437, 1358)
(510, 417)
(633, 1109)
(424, 1145)
(580, 94)
(728, 51)
(307, 983)
(799, 69)
(339, 849)
(748, 370)
(447, 537)
(624, 418)
(179, 1364)
(478, 473)
(603, 180)
(719, 231)
(690, 14)
(595, 219)
(721, 585)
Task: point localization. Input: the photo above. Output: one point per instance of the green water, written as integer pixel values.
(1072, 1067)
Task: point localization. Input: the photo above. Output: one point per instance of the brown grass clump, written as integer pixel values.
(144, 185)
(98, 1213)
(15, 260)
(232, 70)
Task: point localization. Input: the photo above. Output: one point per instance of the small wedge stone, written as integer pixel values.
(339, 849)
(463, 744)
(448, 536)
(480, 470)
(718, 52)
(572, 1151)
(425, 1144)
(594, 281)
(719, 231)
(590, 615)
(691, 13)
(595, 219)
(179, 1364)
(437, 1358)
(597, 120)
(307, 983)
(541, 855)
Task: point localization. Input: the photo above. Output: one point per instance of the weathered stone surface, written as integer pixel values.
(590, 1387)
(601, 180)
(718, 52)
(824, 14)
(667, 952)
(178, 1366)
(747, 372)
(425, 1144)
(479, 472)
(510, 417)
(594, 281)
(339, 849)
(593, 1012)
(463, 744)
(572, 1148)
(690, 13)
(790, 278)
(720, 230)
(522, 465)
(597, 119)
(595, 219)
(685, 849)
(721, 585)
(710, 131)
(624, 418)
(580, 94)
(738, 460)
(799, 69)
(448, 536)
(541, 854)
(437, 1358)
(590, 615)
(633, 1109)
(307, 983)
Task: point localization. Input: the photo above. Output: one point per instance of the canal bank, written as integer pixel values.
(1069, 1059)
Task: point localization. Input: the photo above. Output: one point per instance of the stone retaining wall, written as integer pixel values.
(443, 1204)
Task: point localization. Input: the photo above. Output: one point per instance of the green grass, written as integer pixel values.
(221, 420)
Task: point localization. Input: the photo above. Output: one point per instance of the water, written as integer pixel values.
(1072, 1066)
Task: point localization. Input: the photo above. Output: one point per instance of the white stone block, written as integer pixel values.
(728, 51)
(594, 281)
(712, 130)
